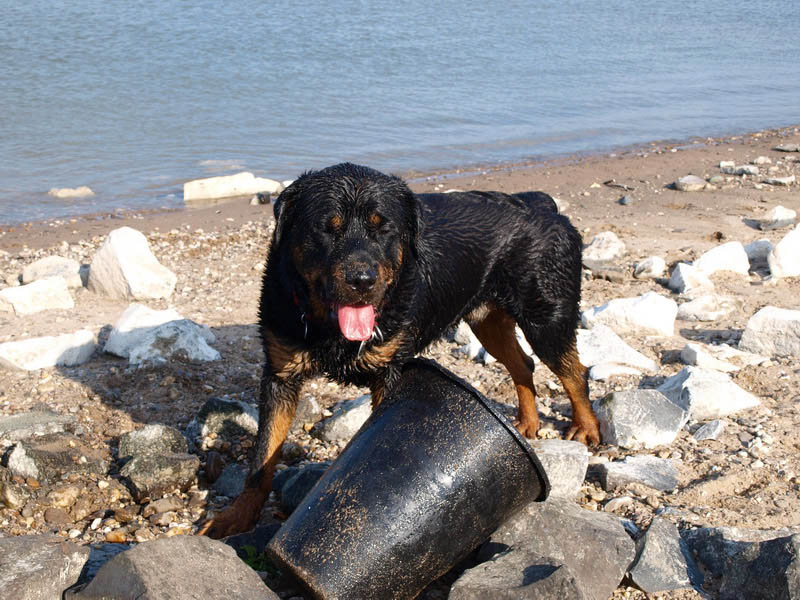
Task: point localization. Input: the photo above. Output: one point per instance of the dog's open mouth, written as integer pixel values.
(356, 322)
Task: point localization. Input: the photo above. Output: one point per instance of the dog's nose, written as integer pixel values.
(361, 278)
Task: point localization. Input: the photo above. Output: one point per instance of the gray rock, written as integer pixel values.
(182, 340)
(347, 419)
(48, 457)
(133, 325)
(778, 217)
(565, 463)
(299, 484)
(649, 313)
(710, 431)
(789, 147)
(758, 251)
(152, 439)
(605, 371)
(690, 183)
(69, 349)
(38, 422)
(784, 181)
(308, 411)
(700, 356)
(45, 294)
(657, 473)
(224, 418)
(625, 200)
(12, 494)
(595, 546)
(772, 331)
(708, 307)
(600, 345)
(518, 574)
(766, 571)
(231, 482)
(39, 567)
(706, 394)
(176, 568)
(784, 258)
(125, 268)
(740, 170)
(606, 270)
(639, 419)
(720, 549)
(605, 246)
(227, 186)
(664, 561)
(150, 476)
(54, 266)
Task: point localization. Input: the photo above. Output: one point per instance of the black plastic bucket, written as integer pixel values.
(432, 473)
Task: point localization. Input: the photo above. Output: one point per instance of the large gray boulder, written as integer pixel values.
(639, 418)
(773, 331)
(595, 546)
(663, 561)
(706, 394)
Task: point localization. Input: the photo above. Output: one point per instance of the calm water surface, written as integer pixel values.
(134, 98)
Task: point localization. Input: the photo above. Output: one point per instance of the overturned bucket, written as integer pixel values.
(432, 473)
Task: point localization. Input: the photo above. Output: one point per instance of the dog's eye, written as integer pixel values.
(334, 224)
(375, 220)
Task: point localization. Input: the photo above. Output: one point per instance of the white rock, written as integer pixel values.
(706, 394)
(651, 267)
(758, 251)
(762, 160)
(691, 183)
(134, 324)
(726, 257)
(646, 314)
(639, 419)
(726, 164)
(600, 346)
(287, 182)
(241, 184)
(689, 280)
(184, 339)
(45, 294)
(125, 268)
(54, 266)
(565, 463)
(79, 192)
(710, 431)
(784, 259)
(773, 331)
(39, 353)
(788, 180)
(697, 355)
(709, 307)
(605, 246)
(778, 217)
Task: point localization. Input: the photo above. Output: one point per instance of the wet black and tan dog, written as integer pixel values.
(362, 274)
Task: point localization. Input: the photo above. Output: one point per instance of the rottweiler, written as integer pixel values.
(362, 274)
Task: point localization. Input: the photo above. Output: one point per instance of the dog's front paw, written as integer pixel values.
(585, 431)
(241, 516)
(527, 428)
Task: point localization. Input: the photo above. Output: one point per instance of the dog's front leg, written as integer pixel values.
(277, 407)
(382, 385)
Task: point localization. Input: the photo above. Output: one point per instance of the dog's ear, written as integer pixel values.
(416, 228)
(283, 208)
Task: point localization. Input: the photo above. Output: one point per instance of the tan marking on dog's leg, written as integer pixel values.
(574, 378)
(496, 332)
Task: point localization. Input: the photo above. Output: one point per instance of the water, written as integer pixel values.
(133, 98)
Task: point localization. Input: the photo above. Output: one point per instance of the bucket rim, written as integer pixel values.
(432, 365)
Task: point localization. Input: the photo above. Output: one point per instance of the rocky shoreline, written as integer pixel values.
(726, 499)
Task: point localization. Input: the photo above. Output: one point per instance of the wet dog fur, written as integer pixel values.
(355, 254)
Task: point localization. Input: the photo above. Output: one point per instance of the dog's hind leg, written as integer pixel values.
(558, 350)
(495, 330)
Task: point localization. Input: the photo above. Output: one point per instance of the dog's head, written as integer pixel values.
(343, 235)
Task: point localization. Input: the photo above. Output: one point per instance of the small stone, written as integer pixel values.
(565, 463)
(778, 217)
(706, 394)
(783, 181)
(57, 516)
(32, 354)
(152, 439)
(616, 504)
(690, 183)
(787, 148)
(49, 293)
(689, 280)
(726, 257)
(773, 331)
(650, 313)
(740, 170)
(639, 419)
(657, 473)
(347, 419)
(54, 266)
(605, 246)
(650, 268)
(708, 307)
(664, 562)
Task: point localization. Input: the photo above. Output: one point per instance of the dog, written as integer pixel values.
(362, 274)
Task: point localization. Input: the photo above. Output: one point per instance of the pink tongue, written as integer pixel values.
(357, 322)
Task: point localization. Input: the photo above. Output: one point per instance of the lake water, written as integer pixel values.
(133, 98)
